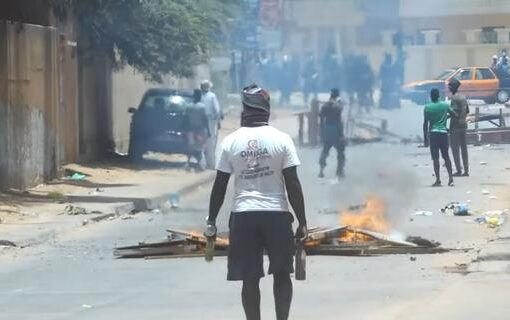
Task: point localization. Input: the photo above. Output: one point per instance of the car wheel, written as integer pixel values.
(502, 96)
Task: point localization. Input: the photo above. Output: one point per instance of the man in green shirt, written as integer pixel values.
(435, 134)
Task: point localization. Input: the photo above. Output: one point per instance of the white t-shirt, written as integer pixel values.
(212, 106)
(256, 157)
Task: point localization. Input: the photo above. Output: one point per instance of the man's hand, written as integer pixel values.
(210, 229)
(301, 233)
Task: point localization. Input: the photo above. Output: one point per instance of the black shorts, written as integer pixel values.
(438, 142)
(250, 234)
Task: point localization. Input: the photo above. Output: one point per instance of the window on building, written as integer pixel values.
(484, 74)
(464, 75)
(489, 35)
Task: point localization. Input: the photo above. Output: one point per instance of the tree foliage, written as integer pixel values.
(156, 37)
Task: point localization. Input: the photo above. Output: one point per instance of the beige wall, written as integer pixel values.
(425, 62)
(311, 25)
(29, 120)
(437, 8)
(323, 13)
(452, 27)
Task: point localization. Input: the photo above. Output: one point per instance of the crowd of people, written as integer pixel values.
(500, 65)
(354, 76)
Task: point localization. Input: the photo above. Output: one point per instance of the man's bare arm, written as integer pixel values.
(425, 130)
(295, 193)
(217, 195)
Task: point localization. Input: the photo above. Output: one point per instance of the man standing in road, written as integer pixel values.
(332, 133)
(435, 134)
(214, 115)
(263, 161)
(458, 127)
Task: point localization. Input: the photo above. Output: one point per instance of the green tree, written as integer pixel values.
(156, 37)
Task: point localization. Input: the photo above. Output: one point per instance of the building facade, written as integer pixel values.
(456, 21)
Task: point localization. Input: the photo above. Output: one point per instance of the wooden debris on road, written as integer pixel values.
(340, 241)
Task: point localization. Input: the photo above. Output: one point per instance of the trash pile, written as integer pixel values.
(76, 210)
(492, 219)
(340, 241)
(456, 209)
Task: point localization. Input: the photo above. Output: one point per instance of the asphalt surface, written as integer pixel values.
(75, 276)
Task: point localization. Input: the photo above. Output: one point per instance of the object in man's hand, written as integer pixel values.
(300, 261)
(210, 234)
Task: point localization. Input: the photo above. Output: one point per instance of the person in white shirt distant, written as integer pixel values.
(214, 116)
(263, 161)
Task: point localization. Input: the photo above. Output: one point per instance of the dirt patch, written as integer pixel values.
(13, 214)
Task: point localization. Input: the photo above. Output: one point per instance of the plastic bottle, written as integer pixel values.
(210, 235)
(300, 261)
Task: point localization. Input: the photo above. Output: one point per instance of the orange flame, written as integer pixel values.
(370, 217)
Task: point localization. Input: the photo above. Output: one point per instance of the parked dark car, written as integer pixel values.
(158, 123)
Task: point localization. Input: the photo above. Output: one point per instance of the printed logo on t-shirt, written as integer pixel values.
(253, 152)
(251, 156)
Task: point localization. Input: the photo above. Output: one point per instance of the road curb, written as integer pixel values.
(163, 201)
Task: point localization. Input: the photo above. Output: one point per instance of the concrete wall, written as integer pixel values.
(438, 8)
(95, 113)
(452, 28)
(28, 104)
(312, 25)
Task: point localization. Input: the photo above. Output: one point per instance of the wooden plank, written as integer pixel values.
(142, 252)
(326, 233)
(383, 237)
(191, 255)
(164, 243)
(331, 250)
(196, 236)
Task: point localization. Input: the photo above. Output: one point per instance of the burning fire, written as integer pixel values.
(370, 216)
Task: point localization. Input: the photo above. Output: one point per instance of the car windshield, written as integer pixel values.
(445, 74)
(165, 101)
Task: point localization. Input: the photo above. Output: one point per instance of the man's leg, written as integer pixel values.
(199, 156)
(434, 152)
(446, 157)
(280, 245)
(210, 151)
(454, 141)
(326, 146)
(437, 183)
(282, 290)
(251, 299)
(245, 260)
(340, 165)
(464, 152)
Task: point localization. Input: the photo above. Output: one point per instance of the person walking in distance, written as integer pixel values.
(214, 116)
(435, 134)
(197, 129)
(458, 127)
(263, 161)
(332, 133)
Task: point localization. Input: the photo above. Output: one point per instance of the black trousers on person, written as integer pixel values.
(459, 148)
(339, 145)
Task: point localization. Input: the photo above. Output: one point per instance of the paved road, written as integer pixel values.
(76, 277)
